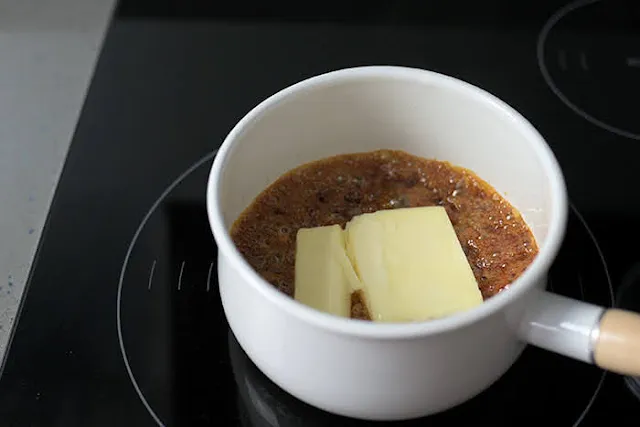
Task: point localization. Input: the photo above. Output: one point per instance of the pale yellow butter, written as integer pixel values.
(324, 277)
(410, 264)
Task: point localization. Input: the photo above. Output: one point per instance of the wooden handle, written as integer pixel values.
(617, 348)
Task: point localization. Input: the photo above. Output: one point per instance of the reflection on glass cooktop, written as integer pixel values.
(122, 323)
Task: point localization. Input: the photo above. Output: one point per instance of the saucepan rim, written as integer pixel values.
(364, 329)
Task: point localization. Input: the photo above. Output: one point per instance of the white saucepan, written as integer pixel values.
(397, 371)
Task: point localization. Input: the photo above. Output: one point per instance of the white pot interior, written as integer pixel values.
(423, 113)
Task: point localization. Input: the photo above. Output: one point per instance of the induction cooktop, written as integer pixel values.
(121, 322)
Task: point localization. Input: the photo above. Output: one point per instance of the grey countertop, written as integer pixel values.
(48, 50)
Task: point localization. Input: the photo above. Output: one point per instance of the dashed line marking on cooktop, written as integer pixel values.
(123, 270)
(209, 276)
(583, 61)
(151, 271)
(180, 275)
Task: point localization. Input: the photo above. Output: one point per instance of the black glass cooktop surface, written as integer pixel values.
(121, 324)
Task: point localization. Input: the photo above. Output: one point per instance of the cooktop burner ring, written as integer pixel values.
(611, 298)
(147, 400)
(546, 74)
(155, 205)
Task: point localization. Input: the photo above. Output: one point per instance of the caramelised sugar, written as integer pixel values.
(497, 242)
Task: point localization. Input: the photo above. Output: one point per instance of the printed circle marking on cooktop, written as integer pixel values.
(149, 283)
(594, 73)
